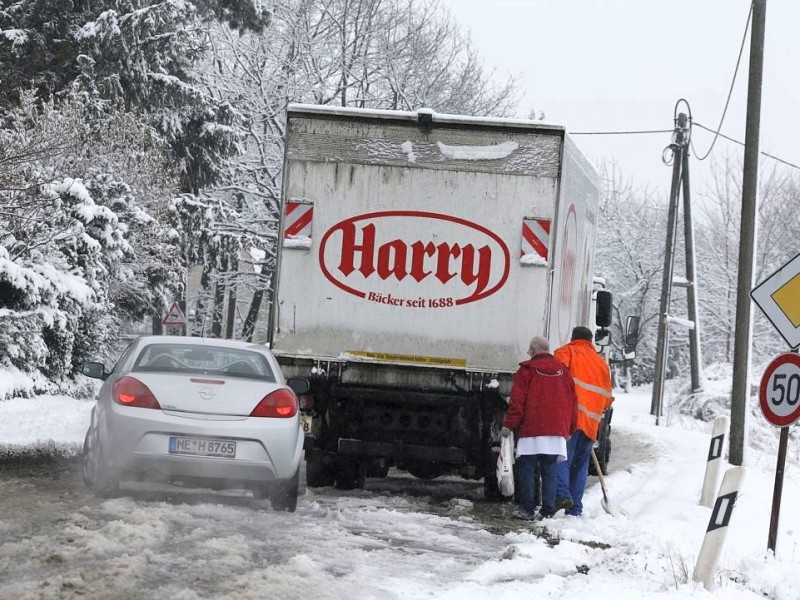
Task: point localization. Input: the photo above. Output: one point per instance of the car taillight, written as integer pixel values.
(280, 403)
(129, 391)
(306, 402)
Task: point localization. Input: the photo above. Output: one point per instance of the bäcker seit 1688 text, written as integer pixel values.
(420, 302)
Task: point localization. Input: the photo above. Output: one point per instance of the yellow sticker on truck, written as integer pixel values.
(411, 358)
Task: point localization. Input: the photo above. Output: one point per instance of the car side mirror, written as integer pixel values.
(95, 370)
(299, 385)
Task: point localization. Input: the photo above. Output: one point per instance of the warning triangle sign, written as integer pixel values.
(174, 316)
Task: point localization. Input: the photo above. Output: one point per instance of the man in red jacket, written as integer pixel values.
(543, 412)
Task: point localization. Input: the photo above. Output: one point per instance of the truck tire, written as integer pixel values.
(379, 470)
(491, 493)
(350, 476)
(317, 473)
(603, 447)
(603, 452)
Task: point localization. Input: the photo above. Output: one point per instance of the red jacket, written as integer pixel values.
(543, 399)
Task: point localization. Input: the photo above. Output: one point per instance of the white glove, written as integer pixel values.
(505, 432)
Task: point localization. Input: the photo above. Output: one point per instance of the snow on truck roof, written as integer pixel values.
(414, 116)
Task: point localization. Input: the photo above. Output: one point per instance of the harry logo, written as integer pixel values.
(473, 267)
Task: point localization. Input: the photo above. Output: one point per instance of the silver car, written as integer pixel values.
(196, 411)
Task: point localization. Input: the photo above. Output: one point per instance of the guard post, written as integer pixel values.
(716, 450)
(717, 529)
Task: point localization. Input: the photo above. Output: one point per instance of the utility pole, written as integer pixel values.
(680, 181)
(695, 355)
(679, 147)
(741, 350)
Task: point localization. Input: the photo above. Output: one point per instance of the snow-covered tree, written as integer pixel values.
(392, 54)
(718, 253)
(134, 54)
(632, 262)
(81, 251)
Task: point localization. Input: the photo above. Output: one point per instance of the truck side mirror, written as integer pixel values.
(602, 337)
(628, 353)
(632, 331)
(602, 310)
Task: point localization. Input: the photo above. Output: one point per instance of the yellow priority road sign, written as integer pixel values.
(778, 297)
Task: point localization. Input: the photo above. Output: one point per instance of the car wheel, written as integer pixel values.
(87, 469)
(261, 492)
(96, 472)
(284, 493)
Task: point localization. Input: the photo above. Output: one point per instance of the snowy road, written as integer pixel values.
(155, 542)
(399, 538)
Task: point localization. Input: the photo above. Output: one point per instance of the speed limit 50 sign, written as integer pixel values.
(779, 393)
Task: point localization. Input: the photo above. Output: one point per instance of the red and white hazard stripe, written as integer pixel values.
(298, 219)
(536, 237)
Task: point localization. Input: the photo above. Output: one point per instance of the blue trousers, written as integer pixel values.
(571, 474)
(527, 466)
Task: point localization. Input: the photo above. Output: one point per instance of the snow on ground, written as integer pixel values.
(391, 542)
(54, 423)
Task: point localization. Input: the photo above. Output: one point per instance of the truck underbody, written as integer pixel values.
(366, 418)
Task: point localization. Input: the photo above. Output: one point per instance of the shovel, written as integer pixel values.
(608, 506)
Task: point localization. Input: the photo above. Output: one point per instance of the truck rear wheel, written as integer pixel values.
(350, 476)
(318, 474)
(491, 492)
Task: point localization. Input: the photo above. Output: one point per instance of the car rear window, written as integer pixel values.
(206, 360)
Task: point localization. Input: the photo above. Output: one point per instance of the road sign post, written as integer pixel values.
(779, 397)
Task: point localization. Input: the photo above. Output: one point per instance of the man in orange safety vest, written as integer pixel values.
(593, 385)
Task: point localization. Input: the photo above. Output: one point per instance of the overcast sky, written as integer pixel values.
(603, 65)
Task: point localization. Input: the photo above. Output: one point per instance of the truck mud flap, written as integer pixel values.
(402, 452)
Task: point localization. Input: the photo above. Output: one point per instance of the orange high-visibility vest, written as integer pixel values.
(592, 382)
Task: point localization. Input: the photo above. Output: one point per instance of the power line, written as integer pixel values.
(642, 131)
(730, 139)
(730, 90)
(700, 125)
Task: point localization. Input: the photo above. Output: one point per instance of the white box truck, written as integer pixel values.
(420, 254)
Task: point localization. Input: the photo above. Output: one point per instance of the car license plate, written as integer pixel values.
(305, 423)
(202, 447)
